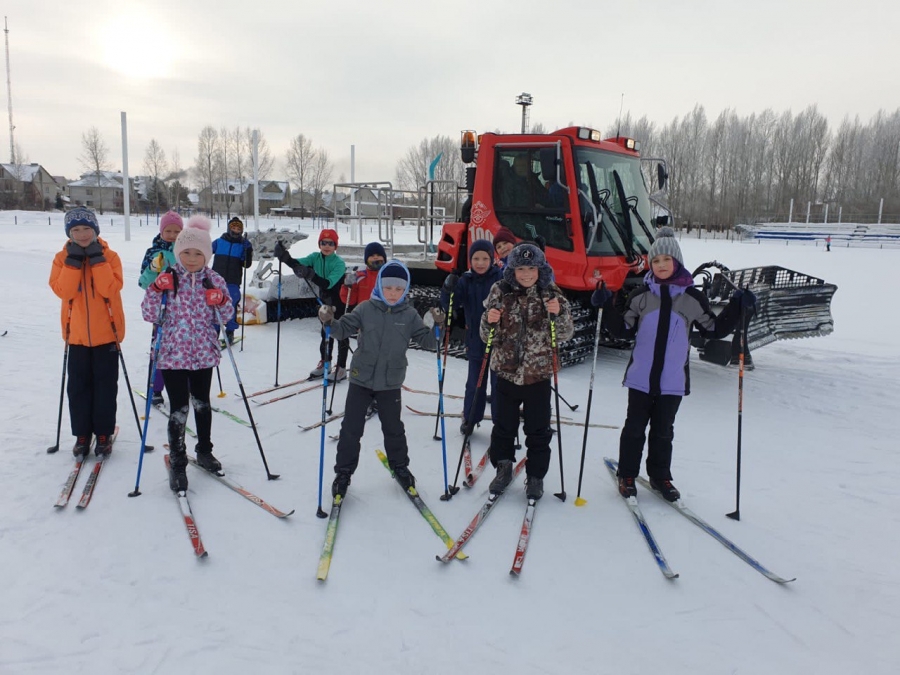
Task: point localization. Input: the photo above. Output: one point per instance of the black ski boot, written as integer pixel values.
(104, 446)
(206, 460)
(82, 446)
(534, 487)
(666, 489)
(340, 484)
(503, 478)
(627, 488)
(404, 477)
(178, 481)
(157, 398)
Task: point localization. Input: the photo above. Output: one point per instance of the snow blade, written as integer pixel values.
(790, 304)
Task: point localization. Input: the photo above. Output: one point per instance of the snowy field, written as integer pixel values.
(116, 588)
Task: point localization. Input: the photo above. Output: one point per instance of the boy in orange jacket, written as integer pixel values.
(87, 277)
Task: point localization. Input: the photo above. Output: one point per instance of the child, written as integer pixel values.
(358, 286)
(87, 277)
(234, 254)
(386, 323)
(518, 312)
(324, 270)
(157, 258)
(659, 316)
(504, 241)
(197, 298)
(469, 294)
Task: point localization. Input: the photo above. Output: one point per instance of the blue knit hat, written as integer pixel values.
(374, 248)
(481, 245)
(81, 216)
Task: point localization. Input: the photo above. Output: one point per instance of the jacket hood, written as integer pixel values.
(391, 265)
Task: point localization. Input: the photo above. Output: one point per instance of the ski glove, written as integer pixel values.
(601, 296)
(164, 282)
(94, 252)
(303, 271)
(326, 314)
(438, 315)
(215, 297)
(282, 253)
(450, 283)
(350, 277)
(75, 255)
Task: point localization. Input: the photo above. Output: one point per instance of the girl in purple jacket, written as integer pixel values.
(196, 299)
(659, 316)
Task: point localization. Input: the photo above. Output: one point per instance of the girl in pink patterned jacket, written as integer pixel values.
(196, 299)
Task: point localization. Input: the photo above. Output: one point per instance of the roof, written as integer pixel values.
(26, 172)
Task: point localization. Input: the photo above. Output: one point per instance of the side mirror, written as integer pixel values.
(659, 221)
(661, 175)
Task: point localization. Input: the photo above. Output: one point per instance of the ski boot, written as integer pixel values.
(666, 489)
(82, 446)
(503, 478)
(340, 484)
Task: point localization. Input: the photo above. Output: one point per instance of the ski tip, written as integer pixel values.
(514, 574)
(580, 501)
(202, 556)
(285, 515)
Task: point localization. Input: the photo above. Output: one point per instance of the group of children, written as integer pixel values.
(509, 303)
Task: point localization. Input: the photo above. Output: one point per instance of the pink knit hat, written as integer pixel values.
(170, 218)
(195, 235)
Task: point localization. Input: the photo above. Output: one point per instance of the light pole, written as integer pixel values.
(524, 100)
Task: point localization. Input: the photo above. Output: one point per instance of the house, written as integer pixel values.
(101, 191)
(27, 186)
(235, 196)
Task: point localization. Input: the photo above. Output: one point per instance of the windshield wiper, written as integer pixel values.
(626, 214)
(628, 253)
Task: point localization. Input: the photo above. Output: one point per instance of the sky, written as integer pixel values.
(383, 76)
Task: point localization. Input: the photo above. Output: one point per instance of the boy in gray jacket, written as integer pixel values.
(386, 323)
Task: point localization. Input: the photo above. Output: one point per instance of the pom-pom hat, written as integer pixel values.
(81, 216)
(666, 244)
(195, 235)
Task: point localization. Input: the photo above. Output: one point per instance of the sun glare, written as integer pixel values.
(137, 47)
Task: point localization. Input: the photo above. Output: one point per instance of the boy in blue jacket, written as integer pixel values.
(233, 254)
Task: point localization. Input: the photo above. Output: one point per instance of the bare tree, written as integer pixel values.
(207, 168)
(412, 169)
(156, 166)
(320, 177)
(175, 177)
(95, 158)
(300, 157)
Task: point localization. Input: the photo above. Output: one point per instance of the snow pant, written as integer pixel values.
(186, 387)
(234, 290)
(476, 398)
(93, 388)
(357, 404)
(535, 401)
(659, 412)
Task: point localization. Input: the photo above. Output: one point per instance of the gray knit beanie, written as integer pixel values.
(665, 244)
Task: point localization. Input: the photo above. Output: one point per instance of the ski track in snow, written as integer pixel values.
(116, 589)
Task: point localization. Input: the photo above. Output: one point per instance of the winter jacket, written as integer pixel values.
(159, 245)
(469, 295)
(521, 347)
(328, 273)
(189, 340)
(89, 288)
(361, 289)
(232, 254)
(379, 362)
(659, 318)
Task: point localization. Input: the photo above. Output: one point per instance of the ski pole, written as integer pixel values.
(484, 361)
(587, 418)
(736, 514)
(243, 301)
(319, 512)
(437, 352)
(278, 327)
(154, 356)
(62, 387)
(440, 416)
(237, 375)
(562, 398)
(561, 495)
(334, 382)
(222, 393)
(115, 331)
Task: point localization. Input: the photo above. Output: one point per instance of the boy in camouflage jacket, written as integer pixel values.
(517, 324)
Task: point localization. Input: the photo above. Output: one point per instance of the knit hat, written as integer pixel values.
(504, 234)
(665, 244)
(236, 221)
(373, 248)
(81, 216)
(195, 235)
(527, 255)
(394, 276)
(481, 245)
(170, 218)
(329, 234)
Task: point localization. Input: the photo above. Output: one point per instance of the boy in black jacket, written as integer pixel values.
(233, 254)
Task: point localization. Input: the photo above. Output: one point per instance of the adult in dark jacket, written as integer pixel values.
(233, 254)
(469, 293)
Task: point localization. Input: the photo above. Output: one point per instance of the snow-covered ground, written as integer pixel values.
(116, 588)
